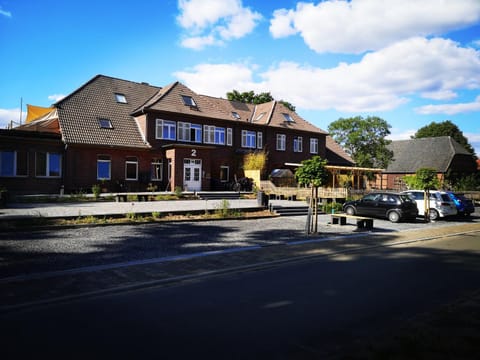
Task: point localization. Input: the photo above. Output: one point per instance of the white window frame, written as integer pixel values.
(213, 135)
(14, 169)
(249, 139)
(281, 142)
(168, 124)
(259, 140)
(131, 162)
(108, 160)
(196, 131)
(297, 144)
(227, 170)
(229, 136)
(156, 164)
(48, 165)
(313, 146)
(183, 131)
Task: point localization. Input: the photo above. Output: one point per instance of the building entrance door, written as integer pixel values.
(192, 169)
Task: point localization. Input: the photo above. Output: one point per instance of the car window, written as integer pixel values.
(417, 195)
(370, 197)
(407, 198)
(445, 197)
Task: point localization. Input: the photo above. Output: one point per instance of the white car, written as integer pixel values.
(441, 205)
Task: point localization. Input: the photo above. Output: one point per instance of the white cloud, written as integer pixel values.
(56, 97)
(218, 79)
(211, 22)
(7, 115)
(450, 109)
(357, 26)
(397, 134)
(5, 13)
(380, 81)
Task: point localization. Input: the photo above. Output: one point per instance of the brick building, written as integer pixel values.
(127, 135)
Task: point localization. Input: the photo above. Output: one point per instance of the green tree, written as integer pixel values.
(445, 128)
(427, 180)
(313, 173)
(249, 97)
(364, 139)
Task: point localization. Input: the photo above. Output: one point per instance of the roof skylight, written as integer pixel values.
(105, 123)
(260, 116)
(235, 115)
(120, 98)
(288, 117)
(188, 100)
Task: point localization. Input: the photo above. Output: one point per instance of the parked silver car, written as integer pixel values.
(441, 205)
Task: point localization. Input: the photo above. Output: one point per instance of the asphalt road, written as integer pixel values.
(312, 309)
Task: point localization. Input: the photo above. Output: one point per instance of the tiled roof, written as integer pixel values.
(336, 155)
(414, 154)
(169, 99)
(79, 112)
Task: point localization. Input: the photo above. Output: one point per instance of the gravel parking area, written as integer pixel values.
(59, 249)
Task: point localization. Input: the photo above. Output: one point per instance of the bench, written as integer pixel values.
(362, 222)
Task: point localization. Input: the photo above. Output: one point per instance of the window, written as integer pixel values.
(166, 130)
(188, 100)
(196, 133)
(103, 167)
(287, 117)
(120, 98)
(260, 116)
(224, 173)
(220, 136)
(189, 132)
(235, 115)
(105, 123)
(184, 131)
(13, 163)
(297, 144)
(213, 135)
(259, 140)
(131, 168)
(281, 141)
(313, 146)
(48, 164)
(248, 139)
(156, 170)
(229, 136)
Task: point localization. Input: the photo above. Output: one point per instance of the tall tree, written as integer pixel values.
(364, 139)
(313, 173)
(250, 97)
(445, 128)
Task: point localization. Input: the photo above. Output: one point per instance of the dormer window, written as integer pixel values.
(287, 117)
(188, 100)
(235, 115)
(105, 123)
(260, 116)
(120, 98)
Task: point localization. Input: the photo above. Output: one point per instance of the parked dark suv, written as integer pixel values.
(393, 206)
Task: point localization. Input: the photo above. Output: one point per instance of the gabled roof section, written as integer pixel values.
(278, 120)
(79, 113)
(171, 99)
(414, 154)
(336, 155)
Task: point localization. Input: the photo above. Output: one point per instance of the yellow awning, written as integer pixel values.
(34, 112)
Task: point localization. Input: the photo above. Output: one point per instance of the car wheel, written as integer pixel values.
(434, 214)
(350, 210)
(394, 216)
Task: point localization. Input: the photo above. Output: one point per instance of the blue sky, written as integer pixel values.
(408, 62)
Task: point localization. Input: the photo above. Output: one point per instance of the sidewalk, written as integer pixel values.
(109, 208)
